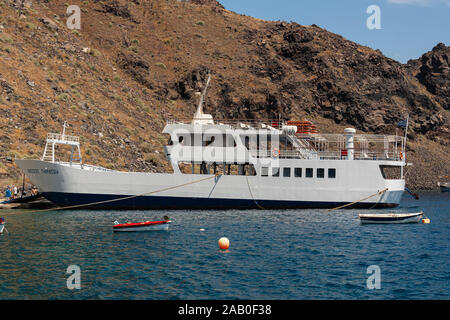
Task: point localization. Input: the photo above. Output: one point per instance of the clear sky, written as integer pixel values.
(409, 28)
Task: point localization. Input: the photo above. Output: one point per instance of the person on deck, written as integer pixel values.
(8, 193)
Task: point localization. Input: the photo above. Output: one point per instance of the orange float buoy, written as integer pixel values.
(224, 243)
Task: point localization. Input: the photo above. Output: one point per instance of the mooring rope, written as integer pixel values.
(124, 198)
(251, 193)
(349, 204)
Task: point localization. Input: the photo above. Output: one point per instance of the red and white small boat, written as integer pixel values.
(142, 226)
(2, 225)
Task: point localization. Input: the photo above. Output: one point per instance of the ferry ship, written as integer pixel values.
(237, 164)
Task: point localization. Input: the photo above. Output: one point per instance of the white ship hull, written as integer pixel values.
(356, 179)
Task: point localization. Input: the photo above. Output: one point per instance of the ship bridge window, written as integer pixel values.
(264, 171)
(320, 173)
(210, 142)
(219, 140)
(207, 140)
(391, 172)
(190, 140)
(287, 172)
(332, 173)
(247, 142)
(298, 172)
(275, 172)
(250, 170)
(309, 173)
(215, 168)
(239, 169)
(228, 141)
(250, 142)
(182, 140)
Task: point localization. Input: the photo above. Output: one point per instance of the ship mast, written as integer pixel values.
(199, 116)
(404, 145)
(64, 129)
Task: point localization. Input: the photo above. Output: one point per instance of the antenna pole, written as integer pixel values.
(406, 133)
(202, 98)
(23, 186)
(64, 130)
(404, 145)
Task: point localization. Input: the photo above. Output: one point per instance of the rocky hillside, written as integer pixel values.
(433, 71)
(134, 64)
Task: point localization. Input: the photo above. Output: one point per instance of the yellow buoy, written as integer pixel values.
(425, 220)
(224, 243)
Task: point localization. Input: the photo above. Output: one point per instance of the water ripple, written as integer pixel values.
(290, 254)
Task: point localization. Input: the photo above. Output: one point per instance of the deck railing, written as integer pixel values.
(292, 154)
(57, 137)
(237, 124)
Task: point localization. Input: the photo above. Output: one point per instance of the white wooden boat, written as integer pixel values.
(391, 217)
(445, 187)
(142, 226)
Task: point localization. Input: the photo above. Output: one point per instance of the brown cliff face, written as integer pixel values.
(146, 60)
(433, 71)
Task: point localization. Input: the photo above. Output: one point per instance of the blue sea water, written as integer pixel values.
(277, 254)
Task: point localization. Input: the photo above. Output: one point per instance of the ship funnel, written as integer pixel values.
(199, 116)
(350, 142)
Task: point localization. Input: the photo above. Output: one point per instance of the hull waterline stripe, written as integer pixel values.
(176, 203)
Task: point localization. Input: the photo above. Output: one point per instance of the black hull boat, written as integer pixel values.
(395, 218)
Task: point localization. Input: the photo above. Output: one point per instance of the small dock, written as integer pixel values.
(36, 201)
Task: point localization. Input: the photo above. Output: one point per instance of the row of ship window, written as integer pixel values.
(298, 172)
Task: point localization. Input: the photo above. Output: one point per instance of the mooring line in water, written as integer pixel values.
(349, 204)
(414, 195)
(124, 198)
(376, 203)
(251, 193)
